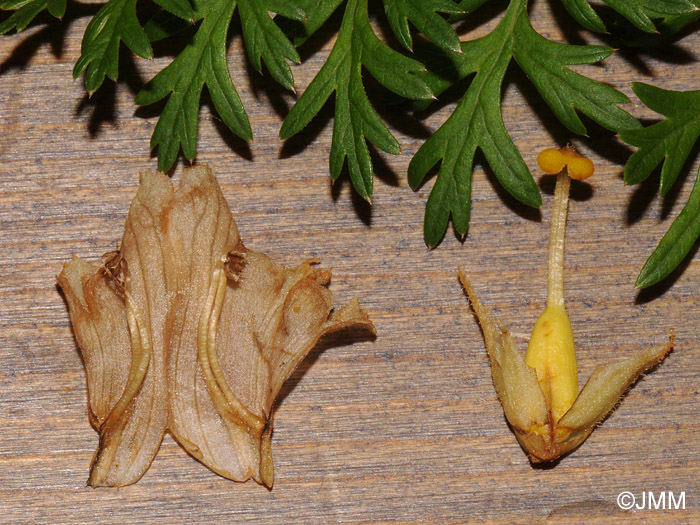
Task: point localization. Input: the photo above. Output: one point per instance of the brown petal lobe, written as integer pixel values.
(98, 316)
(201, 232)
(130, 441)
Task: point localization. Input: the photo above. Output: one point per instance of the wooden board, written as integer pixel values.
(406, 427)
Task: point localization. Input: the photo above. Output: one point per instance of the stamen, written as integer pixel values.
(555, 277)
(140, 359)
(206, 343)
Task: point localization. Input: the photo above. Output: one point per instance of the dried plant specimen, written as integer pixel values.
(187, 331)
(539, 392)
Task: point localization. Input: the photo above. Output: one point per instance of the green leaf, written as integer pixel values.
(26, 11)
(163, 25)
(115, 22)
(669, 141)
(641, 13)
(180, 8)
(317, 12)
(266, 41)
(291, 9)
(424, 15)
(355, 119)
(585, 15)
(675, 244)
(202, 62)
(667, 27)
(477, 122)
(469, 6)
(544, 62)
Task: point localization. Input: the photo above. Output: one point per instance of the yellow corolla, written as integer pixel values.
(539, 392)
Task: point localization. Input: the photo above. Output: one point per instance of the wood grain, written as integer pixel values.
(406, 427)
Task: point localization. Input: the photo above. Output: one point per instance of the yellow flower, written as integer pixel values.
(539, 392)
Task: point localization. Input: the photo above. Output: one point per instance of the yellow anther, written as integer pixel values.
(552, 161)
(580, 168)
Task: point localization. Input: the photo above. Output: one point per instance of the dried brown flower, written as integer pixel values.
(185, 330)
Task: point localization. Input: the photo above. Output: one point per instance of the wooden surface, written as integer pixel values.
(405, 427)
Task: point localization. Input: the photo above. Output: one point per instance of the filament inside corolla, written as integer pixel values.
(206, 346)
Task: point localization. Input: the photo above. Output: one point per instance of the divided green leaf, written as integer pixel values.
(469, 6)
(477, 122)
(641, 13)
(272, 29)
(164, 25)
(26, 10)
(675, 244)
(355, 120)
(423, 14)
(265, 40)
(667, 27)
(669, 142)
(115, 22)
(180, 8)
(202, 62)
(317, 13)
